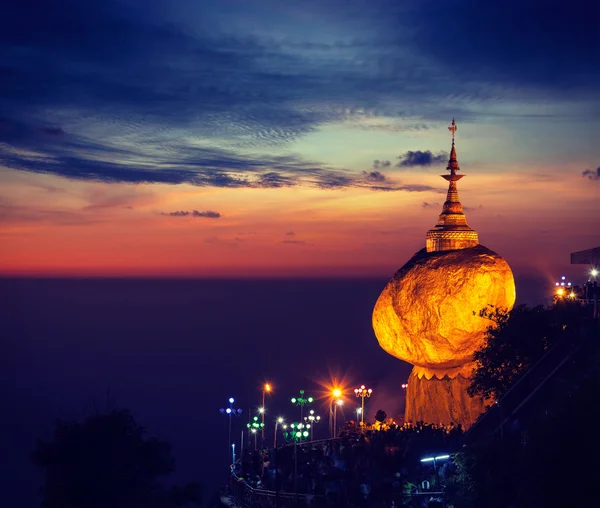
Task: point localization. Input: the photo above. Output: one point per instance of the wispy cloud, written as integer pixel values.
(209, 214)
(381, 164)
(294, 242)
(591, 174)
(152, 96)
(472, 208)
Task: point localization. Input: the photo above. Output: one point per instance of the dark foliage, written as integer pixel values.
(515, 341)
(107, 460)
(547, 455)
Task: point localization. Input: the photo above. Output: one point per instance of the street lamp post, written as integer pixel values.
(230, 411)
(278, 422)
(363, 392)
(340, 403)
(302, 401)
(336, 393)
(311, 420)
(266, 389)
(254, 426)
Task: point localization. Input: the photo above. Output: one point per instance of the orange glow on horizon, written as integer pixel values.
(87, 229)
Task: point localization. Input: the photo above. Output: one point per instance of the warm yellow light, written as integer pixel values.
(428, 315)
(560, 291)
(594, 272)
(280, 420)
(337, 392)
(339, 402)
(571, 295)
(261, 410)
(267, 387)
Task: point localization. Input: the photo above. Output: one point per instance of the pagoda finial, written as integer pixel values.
(453, 163)
(453, 128)
(452, 231)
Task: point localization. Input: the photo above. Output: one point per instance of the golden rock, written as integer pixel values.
(428, 314)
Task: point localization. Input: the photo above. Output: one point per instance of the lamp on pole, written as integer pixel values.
(254, 426)
(435, 460)
(336, 393)
(278, 422)
(338, 403)
(363, 392)
(302, 401)
(266, 389)
(311, 420)
(230, 411)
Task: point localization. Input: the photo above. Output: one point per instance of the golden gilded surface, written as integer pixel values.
(428, 314)
(441, 400)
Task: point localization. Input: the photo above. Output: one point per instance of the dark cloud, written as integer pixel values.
(52, 131)
(430, 205)
(591, 174)
(381, 164)
(472, 208)
(209, 214)
(420, 158)
(374, 176)
(275, 180)
(294, 242)
(129, 92)
(290, 233)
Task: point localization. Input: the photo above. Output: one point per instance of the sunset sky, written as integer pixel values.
(273, 138)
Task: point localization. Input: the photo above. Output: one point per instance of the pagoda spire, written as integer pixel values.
(451, 231)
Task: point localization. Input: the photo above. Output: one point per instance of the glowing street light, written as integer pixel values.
(404, 386)
(594, 272)
(434, 460)
(358, 413)
(302, 401)
(336, 394)
(363, 392)
(299, 431)
(230, 411)
(254, 426)
(311, 420)
(278, 422)
(266, 389)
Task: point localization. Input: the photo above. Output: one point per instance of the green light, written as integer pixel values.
(256, 418)
(310, 399)
(298, 434)
(305, 434)
(293, 425)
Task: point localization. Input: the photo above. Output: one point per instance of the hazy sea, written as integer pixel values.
(174, 351)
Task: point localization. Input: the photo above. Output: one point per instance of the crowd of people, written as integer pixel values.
(376, 465)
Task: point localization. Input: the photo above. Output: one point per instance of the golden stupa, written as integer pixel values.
(428, 314)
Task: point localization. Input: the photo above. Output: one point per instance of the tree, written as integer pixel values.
(107, 460)
(517, 340)
(546, 456)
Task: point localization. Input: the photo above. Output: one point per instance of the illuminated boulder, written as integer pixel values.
(428, 314)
